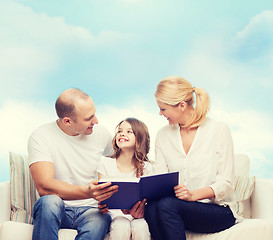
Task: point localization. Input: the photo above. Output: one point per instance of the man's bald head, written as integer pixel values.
(66, 103)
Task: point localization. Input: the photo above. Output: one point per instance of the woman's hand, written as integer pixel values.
(103, 208)
(183, 193)
(137, 210)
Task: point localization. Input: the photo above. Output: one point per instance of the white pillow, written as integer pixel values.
(243, 187)
(22, 189)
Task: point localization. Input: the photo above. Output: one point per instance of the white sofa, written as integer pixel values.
(258, 212)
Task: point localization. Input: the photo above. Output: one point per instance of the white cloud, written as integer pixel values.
(18, 120)
(240, 60)
(33, 45)
(262, 22)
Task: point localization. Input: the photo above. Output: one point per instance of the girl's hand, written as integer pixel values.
(103, 208)
(137, 210)
(183, 193)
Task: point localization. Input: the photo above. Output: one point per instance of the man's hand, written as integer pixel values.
(101, 191)
(103, 208)
(137, 210)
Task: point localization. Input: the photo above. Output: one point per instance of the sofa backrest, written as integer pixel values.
(242, 165)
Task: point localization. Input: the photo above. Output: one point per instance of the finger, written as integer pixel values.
(135, 207)
(104, 211)
(102, 185)
(179, 186)
(105, 193)
(100, 196)
(142, 204)
(102, 206)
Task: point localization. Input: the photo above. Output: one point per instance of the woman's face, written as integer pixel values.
(172, 113)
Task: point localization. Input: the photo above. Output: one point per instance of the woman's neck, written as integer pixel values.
(188, 113)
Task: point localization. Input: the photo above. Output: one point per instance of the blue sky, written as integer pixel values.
(118, 50)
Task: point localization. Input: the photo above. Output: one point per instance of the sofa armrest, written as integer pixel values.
(262, 199)
(4, 202)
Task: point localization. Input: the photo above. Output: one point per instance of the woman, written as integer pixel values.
(202, 150)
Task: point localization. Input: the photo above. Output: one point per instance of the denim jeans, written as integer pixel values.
(170, 217)
(50, 214)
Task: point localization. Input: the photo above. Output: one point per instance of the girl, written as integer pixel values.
(202, 149)
(131, 146)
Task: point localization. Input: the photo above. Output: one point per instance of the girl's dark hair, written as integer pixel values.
(142, 146)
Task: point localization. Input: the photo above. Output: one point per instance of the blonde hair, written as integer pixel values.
(173, 90)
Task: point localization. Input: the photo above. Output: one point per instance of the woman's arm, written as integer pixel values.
(182, 192)
(223, 186)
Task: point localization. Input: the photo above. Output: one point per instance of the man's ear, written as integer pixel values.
(67, 120)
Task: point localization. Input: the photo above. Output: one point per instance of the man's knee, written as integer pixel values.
(93, 219)
(50, 204)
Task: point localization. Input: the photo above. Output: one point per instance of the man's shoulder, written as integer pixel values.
(45, 128)
(101, 132)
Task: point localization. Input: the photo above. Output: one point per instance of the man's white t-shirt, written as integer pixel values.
(75, 158)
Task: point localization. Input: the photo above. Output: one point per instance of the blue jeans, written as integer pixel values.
(50, 214)
(170, 217)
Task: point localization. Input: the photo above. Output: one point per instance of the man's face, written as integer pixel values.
(85, 117)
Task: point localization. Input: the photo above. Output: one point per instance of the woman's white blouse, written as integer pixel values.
(209, 162)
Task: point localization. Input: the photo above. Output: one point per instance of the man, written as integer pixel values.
(63, 160)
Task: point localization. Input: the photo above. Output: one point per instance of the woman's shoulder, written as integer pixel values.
(213, 125)
(168, 129)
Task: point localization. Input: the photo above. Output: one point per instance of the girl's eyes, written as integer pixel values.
(162, 109)
(129, 131)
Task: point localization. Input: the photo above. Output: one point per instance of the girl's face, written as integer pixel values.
(125, 137)
(172, 113)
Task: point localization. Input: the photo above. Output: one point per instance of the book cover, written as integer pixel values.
(130, 190)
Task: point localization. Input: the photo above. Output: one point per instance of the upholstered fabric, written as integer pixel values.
(22, 189)
(243, 187)
(248, 229)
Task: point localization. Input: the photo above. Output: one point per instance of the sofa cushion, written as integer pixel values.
(15, 230)
(22, 189)
(250, 229)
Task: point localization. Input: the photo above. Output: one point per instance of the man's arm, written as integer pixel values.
(43, 177)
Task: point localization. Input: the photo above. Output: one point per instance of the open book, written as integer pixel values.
(132, 190)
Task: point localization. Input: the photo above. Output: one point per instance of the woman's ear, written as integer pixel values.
(182, 106)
